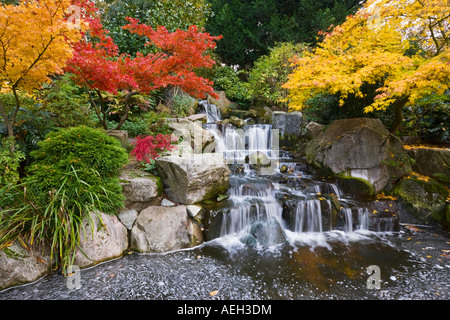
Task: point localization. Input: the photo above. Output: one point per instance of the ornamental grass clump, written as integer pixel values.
(73, 178)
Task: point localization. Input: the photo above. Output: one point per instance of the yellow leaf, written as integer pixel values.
(213, 293)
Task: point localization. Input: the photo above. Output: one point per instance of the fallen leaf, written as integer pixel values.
(213, 293)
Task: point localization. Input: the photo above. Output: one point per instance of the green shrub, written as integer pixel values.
(81, 147)
(270, 72)
(9, 162)
(227, 79)
(32, 124)
(54, 218)
(67, 102)
(429, 119)
(181, 106)
(148, 123)
(74, 176)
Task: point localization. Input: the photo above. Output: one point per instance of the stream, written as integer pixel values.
(276, 236)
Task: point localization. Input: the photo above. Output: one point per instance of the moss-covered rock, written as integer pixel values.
(425, 199)
(361, 148)
(356, 186)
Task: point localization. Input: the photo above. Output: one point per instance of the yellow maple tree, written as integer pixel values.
(36, 39)
(374, 47)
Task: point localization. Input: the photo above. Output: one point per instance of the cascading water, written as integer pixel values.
(212, 111)
(261, 209)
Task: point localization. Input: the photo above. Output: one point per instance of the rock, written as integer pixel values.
(167, 203)
(384, 216)
(193, 178)
(128, 218)
(19, 266)
(197, 117)
(360, 148)
(252, 113)
(108, 240)
(434, 163)
(293, 125)
(356, 186)
(222, 197)
(181, 149)
(191, 132)
(193, 210)
(120, 135)
(279, 121)
(235, 121)
(424, 199)
(314, 129)
(266, 233)
(223, 102)
(266, 116)
(140, 189)
(258, 159)
(162, 229)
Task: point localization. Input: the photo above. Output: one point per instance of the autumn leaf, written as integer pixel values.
(213, 293)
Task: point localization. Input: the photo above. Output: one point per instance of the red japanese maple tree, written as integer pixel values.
(149, 147)
(97, 64)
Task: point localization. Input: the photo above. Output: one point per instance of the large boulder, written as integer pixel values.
(106, 238)
(314, 129)
(19, 265)
(140, 189)
(360, 148)
(191, 133)
(222, 102)
(162, 229)
(279, 121)
(424, 199)
(434, 163)
(194, 178)
(294, 121)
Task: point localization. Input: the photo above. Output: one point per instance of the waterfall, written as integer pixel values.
(308, 216)
(212, 111)
(363, 219)
(348, 219)
(257, 212)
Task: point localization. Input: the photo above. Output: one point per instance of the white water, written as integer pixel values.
(254, 200)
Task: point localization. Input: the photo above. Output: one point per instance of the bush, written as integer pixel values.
(270, 72)
(32, 123)
(227, 79)
(75, 175)
(67, 103)
(429, 119)
(9, 162)
(53, 218)
(148, 123)
(82, 147)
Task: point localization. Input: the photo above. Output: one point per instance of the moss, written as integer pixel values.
(425, 199)
(13, 254)
(355, 186)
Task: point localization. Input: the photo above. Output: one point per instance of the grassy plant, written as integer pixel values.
(55, 218)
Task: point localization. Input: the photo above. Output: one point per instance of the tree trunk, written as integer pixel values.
(398, 114)
(9, 125)
(126, 109)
